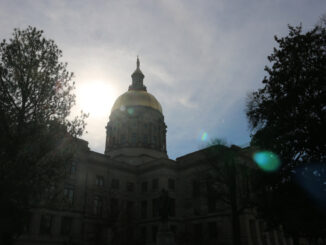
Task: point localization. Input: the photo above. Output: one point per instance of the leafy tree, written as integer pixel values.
(229, 181)
(36, 135)
(288, 116)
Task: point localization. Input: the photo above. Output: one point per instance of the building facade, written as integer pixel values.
(114, 198)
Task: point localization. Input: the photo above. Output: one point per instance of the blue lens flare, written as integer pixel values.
(267, 160)
(311, 177)
(204, 136)
(130, 111)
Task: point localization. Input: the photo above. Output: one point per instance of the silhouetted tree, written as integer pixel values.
(288, 116)
(229, 181)
(35, 135)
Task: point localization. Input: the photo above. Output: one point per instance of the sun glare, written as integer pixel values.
(96, 98)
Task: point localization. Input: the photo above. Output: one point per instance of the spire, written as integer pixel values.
(137, 78)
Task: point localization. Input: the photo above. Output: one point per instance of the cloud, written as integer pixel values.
(200, 58)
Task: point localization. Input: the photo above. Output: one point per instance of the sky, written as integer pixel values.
(200, 58)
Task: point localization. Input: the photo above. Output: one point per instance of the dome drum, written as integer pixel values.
(136, 127)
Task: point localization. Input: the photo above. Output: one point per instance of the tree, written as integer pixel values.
(287, 116)
(36, 136)
(229, 182)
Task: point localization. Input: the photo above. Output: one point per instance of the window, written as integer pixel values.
(46, 224)
(154, 231)
(195, 188)
(211, 195)
(27, 225)
(130, 186)
(114, 207)
(130, 209)
(99, 180)
(130, 233)
(211, 203)
(145, 139)
(173, 228)
(198, 231)
(69, 194)
(143, 210)
(144, 233)
(73, 168)
(115, 184)
(263, 232)
(172, 207)
(50, 191)
(155, 203)
(123, 139)
(212, 229)
(155, 184)
(134, 138)
(196, 210)
(97, 206)
(144, 186)
(66, 223)
(171, 184)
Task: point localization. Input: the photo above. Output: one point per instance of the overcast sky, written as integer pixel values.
(200, 58)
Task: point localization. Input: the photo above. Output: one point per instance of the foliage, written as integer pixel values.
(229, 171)
(36, 136)
(287, 116)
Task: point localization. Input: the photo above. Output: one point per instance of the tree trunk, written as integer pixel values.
(235, 227)
(295, 241)
(234, 205)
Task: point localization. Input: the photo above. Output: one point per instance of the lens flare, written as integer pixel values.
(267, 160)
(122, 108)
(130, 110)
(311, 177)
(204, 136)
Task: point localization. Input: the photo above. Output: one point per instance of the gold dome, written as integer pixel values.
(136, 98)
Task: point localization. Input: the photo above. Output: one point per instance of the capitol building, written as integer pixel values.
(115, 198)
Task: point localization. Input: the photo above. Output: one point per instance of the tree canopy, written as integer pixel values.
(229, 182)
(36, 97)
(287, 116)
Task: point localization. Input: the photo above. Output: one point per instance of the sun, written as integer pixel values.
(96, 97)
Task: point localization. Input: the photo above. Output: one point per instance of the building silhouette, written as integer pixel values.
(114, 198)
